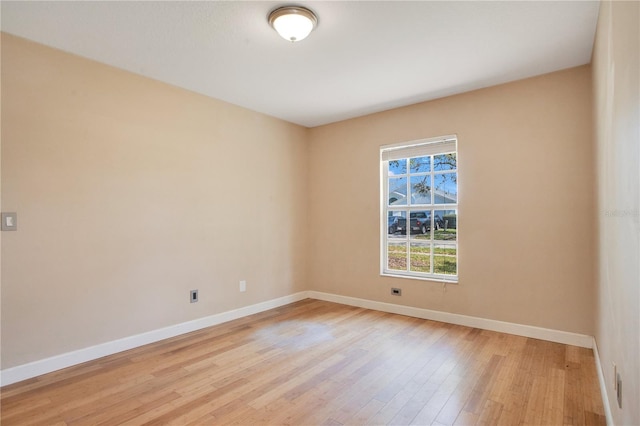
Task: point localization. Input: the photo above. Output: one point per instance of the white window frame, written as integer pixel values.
(419, 148)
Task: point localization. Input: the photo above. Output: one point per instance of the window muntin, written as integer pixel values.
(420, 209)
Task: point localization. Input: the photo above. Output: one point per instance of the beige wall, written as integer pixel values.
(617, 118)
(526, 242)
(130, 193)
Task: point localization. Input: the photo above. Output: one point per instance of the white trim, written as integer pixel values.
(603, 385)
(47, 365)
(551, 335)
(436, 278)
(37, 368)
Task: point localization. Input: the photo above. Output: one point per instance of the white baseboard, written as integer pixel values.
(603, 384)
(47, 365)
(557, 336)
(37, 368)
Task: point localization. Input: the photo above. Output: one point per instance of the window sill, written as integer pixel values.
(442, 280)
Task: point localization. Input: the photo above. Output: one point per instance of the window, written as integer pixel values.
(419, 225)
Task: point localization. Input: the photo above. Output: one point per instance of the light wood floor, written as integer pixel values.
(314, 362)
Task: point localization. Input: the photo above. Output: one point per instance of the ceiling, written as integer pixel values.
(363, 57)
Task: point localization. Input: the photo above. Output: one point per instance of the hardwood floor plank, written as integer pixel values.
(108, 417)
(535, 407)
(466, 418)
(313, 363)
(554, 398)
(491, 413)
(592, 401)
(392, 413)
(430, 411)
(479, 395)
(456, 402)
(592, 418)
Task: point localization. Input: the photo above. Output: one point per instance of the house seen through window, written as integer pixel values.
(420, 209)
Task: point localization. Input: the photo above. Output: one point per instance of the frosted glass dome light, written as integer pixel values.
(293, 23)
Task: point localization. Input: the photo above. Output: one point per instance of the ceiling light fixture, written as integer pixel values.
(293, 23)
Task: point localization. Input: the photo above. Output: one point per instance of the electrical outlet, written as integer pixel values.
(396, 292)
(243, 285)
(9, 221)
(193, 296)
(619, 390)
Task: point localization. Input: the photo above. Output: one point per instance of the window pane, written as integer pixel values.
(397, 256)
(445, 188)
(444, 162)
(397, 167)
(445, 225)
(420, 202)
(397, 191)
(421, 190)
(419, 164)
(397, 224)
(420, 224)
(420, 257)
(445, 259)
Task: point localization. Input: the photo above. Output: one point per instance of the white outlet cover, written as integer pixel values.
(9, 221)
(243, 286)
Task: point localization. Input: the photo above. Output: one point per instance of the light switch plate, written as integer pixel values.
(9, 221)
